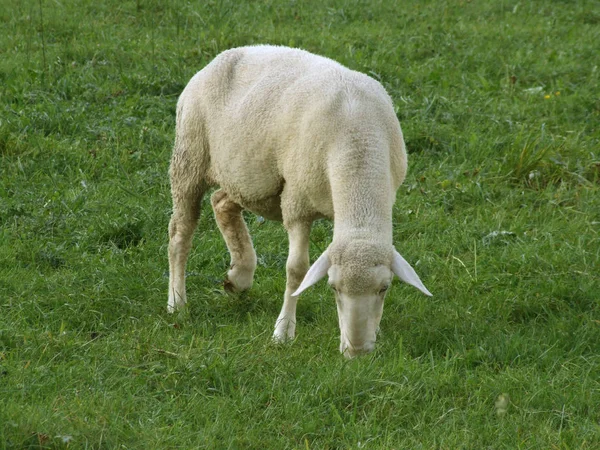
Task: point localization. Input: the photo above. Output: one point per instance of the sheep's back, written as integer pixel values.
(272, 115)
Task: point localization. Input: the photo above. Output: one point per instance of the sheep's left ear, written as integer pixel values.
(407, 274)
(317, 271)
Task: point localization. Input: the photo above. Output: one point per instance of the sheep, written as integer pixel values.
(293, 137)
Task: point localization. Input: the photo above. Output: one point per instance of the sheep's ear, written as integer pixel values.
(317, 271)
(407, 274)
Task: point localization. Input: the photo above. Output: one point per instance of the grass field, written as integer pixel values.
(500, 214)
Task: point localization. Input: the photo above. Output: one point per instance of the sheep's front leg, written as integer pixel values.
(296, 267)
(228, 215)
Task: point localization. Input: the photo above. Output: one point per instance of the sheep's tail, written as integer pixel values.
(190, 160)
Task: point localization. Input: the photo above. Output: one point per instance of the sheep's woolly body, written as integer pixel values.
(290, 136)
(263, 120)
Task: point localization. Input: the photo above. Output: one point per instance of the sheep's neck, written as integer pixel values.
(362, 199)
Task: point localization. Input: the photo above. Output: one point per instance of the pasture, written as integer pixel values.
(499, 215)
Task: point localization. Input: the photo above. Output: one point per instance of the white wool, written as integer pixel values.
(291, 136)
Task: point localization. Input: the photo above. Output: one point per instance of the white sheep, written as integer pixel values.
(294, 137)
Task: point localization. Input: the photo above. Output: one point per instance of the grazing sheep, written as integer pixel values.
(294, 137)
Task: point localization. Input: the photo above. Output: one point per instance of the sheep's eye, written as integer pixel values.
(333, 288)
(383, 290)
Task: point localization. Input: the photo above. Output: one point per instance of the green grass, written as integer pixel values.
(500, 213)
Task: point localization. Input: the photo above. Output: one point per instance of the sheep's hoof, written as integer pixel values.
(175, 307)
(233, 288)
(175, 303)
(281, 339)
(285, 331)
(238, 281)
(229, 287)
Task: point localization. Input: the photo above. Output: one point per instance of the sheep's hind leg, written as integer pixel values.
(228, 216)
(186, 210)
(296, 267)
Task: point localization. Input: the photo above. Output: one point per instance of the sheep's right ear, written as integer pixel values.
(317, 271)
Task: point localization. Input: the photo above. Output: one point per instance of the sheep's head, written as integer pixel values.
(360, 273)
